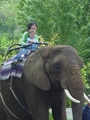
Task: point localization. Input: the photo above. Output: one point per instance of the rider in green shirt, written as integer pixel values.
(26, 34)
(25, 37)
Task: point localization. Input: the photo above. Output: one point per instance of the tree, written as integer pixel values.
(86, 77)
(63, 17)
(8, 25)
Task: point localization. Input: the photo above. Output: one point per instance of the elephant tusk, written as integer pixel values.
(70, 97)
(86, 98)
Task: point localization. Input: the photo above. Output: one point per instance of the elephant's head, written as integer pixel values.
(54, 64)
(57, 65)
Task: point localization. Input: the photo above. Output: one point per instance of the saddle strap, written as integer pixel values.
(10, 84)
(18, 100)
(2, 99)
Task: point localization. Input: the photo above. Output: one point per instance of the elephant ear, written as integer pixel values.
(34, 71)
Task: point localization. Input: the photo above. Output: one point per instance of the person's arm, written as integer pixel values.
(24, 39)
(31, 41)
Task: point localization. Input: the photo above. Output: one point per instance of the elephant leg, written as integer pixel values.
(38, 109)
(59, 109)
(36, 103)
(58, 112)
(40, 113)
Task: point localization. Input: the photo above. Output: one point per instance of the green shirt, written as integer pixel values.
(24, 38)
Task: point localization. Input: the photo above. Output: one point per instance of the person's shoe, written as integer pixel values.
(13, 64)
(21, 59)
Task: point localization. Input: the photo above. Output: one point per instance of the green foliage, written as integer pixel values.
(8, 20)
(63, 17)
(86, 77)
(4, 44)
(50, 116)
(85, 49)
(68, 103)
(8, 26)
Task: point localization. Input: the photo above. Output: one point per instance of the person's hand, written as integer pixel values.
(41, 42)
(30, 41)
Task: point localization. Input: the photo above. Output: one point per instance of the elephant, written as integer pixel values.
(50, 74)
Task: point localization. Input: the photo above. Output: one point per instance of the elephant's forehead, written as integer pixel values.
(61, 53)
(63, 49)
(57, 48)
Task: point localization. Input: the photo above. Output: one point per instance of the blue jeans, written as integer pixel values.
(22, 52)
(26, 50)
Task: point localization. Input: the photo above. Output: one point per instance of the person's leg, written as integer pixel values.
(23, 51)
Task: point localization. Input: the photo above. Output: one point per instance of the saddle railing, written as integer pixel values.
(10, 49)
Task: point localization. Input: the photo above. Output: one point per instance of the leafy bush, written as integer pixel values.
(86, 77)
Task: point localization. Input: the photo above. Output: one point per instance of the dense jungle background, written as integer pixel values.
(59, 22)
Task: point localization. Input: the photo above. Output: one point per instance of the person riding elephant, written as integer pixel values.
(50, 74)
(28, 37)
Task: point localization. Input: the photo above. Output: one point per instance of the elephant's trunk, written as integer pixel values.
(75, 87)
(77, 92)
(77, 111)
(75, 83)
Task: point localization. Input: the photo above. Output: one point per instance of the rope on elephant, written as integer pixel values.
(2, 99)
(18, 100)
(10, 84)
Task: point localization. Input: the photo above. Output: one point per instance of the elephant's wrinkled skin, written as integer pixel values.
(47, 72)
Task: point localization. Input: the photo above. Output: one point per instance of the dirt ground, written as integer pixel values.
(69, 112)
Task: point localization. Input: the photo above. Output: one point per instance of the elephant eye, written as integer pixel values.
(56, 68)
